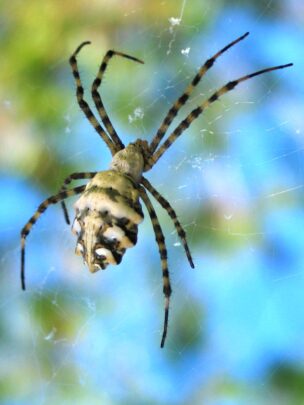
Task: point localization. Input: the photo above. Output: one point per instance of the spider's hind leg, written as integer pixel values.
(166, 205)
(160, 239)
(67, 181)
(42, 207)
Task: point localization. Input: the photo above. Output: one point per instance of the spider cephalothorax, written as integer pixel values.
(108, 211)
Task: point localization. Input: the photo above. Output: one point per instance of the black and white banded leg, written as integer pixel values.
(42, 207)
(166, 205)
(84, 105)
(160, 240)
(198, 110)
(172, 113)
(67, 181)
(97, 99)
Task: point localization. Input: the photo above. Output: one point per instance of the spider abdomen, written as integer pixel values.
(107, 216)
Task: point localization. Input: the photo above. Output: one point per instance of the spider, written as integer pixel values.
(108, 211)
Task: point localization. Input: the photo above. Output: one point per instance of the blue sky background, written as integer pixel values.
(236, 180)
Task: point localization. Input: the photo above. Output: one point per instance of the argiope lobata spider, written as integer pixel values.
(108, 211)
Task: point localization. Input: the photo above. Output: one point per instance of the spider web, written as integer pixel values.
(235, 180)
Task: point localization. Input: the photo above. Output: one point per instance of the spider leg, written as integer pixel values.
(160, 240)
(42, 207)
(166, 205)
(97, 99)
(184, 97)
(84, 105)
(67, 181)
(198, 110)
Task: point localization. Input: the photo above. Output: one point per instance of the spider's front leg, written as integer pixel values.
(97, 98)
(84, 105)
(194, 114)
(172, 113)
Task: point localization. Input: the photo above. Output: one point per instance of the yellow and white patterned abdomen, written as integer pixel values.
(107, 217)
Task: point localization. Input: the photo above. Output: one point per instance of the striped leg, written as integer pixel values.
(84, 105)
(97, 99)
(67, 181)
(42, 207)
(166, 205)
(184, 97)
(160, 239)
(197, 111)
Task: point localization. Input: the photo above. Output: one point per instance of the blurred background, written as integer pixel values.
(235, 178)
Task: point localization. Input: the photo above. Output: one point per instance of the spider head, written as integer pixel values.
(129, 161)
(143, 146)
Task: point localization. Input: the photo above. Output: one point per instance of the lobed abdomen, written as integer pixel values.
(107, 217)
